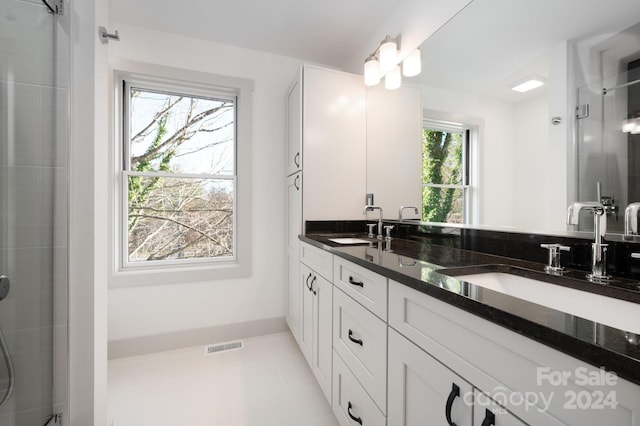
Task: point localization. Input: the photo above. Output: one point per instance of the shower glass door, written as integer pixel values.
(608, 157)
(34, 46)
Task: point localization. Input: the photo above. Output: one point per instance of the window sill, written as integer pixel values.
(178, 274)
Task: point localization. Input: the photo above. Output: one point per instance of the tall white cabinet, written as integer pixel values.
(326, 161)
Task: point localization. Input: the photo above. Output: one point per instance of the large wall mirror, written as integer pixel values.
(530, 155)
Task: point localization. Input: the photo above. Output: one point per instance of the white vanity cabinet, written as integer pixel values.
(317, 313)
(505, 366)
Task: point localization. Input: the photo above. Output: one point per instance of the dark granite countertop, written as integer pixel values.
(431, 269)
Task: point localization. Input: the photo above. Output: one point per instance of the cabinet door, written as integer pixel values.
(294, 296)
(487, 412)
(294, 212)
(322, 291)
(306, 313)
(294, 125)
(334, 145)
(422, 390)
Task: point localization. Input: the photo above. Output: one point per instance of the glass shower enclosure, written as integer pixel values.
(609, 145)
(34, 97)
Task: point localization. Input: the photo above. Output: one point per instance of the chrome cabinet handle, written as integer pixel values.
(354, 340)
(354, 418)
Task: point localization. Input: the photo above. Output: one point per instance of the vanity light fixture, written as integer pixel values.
(388, 52)
(383, 62)
(393, 80)
(412, 64)
(530, 84)
(372, 72)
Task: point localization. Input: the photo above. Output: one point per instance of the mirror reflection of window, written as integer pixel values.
(445, 172)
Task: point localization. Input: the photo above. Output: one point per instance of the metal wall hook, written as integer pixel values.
(105, 36)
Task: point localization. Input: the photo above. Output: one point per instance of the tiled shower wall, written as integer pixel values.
(33, 207)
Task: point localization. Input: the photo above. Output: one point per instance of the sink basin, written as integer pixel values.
(349, 241)
(602, 309)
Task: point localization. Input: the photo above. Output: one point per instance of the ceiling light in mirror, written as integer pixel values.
(528, 85)
(412, 64)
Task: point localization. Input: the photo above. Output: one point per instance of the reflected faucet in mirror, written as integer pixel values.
(598, 249)
(631, 219)
(372, 208)
(415, 209)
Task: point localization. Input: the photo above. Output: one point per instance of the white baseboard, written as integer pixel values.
(202, 336)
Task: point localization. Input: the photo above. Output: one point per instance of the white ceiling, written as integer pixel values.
(325, 31)
(484, 48)
(493, 43)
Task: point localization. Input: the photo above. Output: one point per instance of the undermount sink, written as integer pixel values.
(348, 241)
(613, 312)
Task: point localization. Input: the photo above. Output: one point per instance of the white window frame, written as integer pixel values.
(470, 133)
(174, 80)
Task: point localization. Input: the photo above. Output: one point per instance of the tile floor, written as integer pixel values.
(268, 383)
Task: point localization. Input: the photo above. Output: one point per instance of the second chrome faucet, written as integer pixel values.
(368, 208)
(598, 249)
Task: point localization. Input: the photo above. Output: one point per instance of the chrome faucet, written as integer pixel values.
(631, 219)
(372, 208)
(415, 209)
(598, 249)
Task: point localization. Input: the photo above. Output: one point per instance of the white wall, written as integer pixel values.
(153, 310)
(87, 239)
(497, 163)
(531, 140)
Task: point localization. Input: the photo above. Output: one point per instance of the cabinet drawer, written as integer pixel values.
(366, 287)
(360, 338)
(350, 401)
(317, 259)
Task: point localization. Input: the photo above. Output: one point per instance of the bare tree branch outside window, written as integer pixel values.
(180, 175)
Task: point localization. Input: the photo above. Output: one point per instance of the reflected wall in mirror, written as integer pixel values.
(528, 169)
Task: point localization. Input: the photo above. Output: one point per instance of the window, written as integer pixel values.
(445, 172)
(184, 159)
(179, 174)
